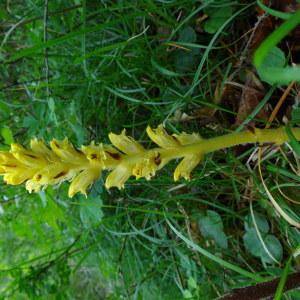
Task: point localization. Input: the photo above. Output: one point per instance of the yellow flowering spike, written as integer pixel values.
(160, 137)
(41, 166)
(186, 139)
(17, 176)
(27, 157)
(66, 152)
(7, 158)
(83, 181)
(103, 155)
(119, 176)
(38, 146)
(125, 143)
(148, 165)
(189, 162)
(186, 166)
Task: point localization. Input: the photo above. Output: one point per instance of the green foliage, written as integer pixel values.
(211, 227)
(127, 64)
(258, 242)
(217, 16)
(274, 58)
(265, 54)
(7, 135)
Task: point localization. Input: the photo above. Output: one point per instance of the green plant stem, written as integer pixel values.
(276, 136)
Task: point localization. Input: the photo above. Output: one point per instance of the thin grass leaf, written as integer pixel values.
(216, 259)
(273, 12)
(283, 278)
(292, 140)
(51, 43)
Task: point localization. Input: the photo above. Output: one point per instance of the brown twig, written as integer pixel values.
(264, 289)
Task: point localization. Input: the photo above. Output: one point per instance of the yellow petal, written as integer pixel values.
(33, 186)
(103, 155)
(26, 157)
(18, 177)
(38, 146)
(160, 137)
(7, 158)
(82, 181)
(125, 143)
(119, 176)
(147, 166)
(53, 174)
(186, 139)
(186, 166)
(65, 151)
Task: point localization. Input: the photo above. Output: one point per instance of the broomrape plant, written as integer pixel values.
(41, 166)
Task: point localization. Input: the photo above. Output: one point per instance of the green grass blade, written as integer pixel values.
(293, 141)
(50, 43)
(283, 278)
(273, 12)
(214, 258)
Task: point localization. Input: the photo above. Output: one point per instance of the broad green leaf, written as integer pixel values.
(254, 246)
(90, 211)
(211, 227)
(187, 35)
(275, 58)
(276, 74)
(260, 220)
(252, 243)
(185, 60)
(7, 135)
(216, 17)
(274, 246)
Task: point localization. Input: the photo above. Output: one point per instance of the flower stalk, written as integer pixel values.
(40, 165)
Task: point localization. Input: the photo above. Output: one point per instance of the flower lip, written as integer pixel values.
(83, 181)
(125, 143)
(119, 176)
(160, 137)
(186, 166)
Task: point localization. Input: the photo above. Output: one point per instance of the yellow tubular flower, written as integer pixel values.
(83, 181)
(41, 166)
(189, 162)
(125, 143)
(160, 137)
(119, 176)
